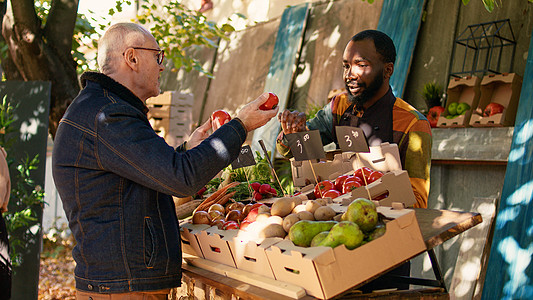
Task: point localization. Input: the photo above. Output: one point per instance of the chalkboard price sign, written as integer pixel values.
(351, 139)
(245, 158)
(306, 145)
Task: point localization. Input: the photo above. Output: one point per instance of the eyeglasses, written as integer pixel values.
(160, 53)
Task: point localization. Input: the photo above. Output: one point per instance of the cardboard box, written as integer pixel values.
(503, 89)
(189, 242)
(250, 255)
(467, 90)
(172, 98)
(385, 157)
(326, 272)
(395, 183)
(215, 245)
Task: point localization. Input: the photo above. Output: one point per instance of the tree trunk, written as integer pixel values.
(44, 54)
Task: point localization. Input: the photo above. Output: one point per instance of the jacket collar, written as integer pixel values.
(115, 87)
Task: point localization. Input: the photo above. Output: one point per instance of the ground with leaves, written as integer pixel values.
(56, 275)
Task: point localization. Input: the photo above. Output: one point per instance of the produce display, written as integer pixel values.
(455, 109)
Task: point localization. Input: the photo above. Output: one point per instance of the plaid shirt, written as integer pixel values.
(391, 120)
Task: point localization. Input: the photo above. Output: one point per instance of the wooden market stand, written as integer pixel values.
(436, 226)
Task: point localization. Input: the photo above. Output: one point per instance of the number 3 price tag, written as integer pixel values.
(245, 158)
(351, 139)
(306, 145)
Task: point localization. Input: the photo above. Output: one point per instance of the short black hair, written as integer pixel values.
(383, 43)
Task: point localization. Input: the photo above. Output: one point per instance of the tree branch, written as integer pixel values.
(60, 24)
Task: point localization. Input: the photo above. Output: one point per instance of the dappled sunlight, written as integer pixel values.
(524, 134)
(333, 39)
(303, 78)
(28, 129)
(518, 259)
(522, 195)
(506, 215)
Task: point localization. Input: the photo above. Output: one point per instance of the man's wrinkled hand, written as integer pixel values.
(199, 134)
(252, 117)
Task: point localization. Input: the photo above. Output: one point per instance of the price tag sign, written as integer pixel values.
(245, 158)
(306, 145)
(351, 139)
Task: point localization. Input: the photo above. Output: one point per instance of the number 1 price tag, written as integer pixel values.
(351, 139)
(245, 158)
(306, 145)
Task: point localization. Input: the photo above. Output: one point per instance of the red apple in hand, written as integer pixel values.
(271, 102)
(219, 118)
(434, 114)
(492, 109)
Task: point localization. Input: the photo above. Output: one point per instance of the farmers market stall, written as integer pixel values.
(205, 277)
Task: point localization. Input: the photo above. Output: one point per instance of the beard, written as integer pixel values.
(368, 91)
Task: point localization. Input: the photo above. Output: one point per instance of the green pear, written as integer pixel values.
(319, 238)
(377, 232)
(462, 108)
(303, 232)
(452, 108)
(346, 233)
(363, 213)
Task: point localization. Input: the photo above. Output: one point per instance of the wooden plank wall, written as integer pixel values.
(510, 271)
(401, 21)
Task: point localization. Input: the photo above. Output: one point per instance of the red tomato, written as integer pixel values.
(322, 187)
(220, 117)
(363, 171)
(231, 225)
(332, 194)
(271, 102)
(339, 181)
(350, 185)
(244, 224)
(375, 175)
(353, 178)
(252, 215)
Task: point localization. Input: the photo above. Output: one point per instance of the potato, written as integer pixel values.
(323, 201)
(289, 220)
(324, 213)
(305, 215)
(262, 217)
(284, 206)
(312, 205)
(263, 209)
(337, 217)
(274, 220)
(272, 230)
(298, 208)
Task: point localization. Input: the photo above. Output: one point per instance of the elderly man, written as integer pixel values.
(116, 176)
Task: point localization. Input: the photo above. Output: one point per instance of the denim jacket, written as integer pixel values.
(115, 177)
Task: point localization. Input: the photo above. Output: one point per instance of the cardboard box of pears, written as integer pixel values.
(285, 242)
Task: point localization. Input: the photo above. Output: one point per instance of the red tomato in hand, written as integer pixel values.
(375, 175)
(219, 118)
(332, 194)
(350, 185)
(322, 187)
(364, 171)
(271, 102)
(339, 181)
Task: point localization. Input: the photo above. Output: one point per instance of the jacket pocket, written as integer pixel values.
(150, 243)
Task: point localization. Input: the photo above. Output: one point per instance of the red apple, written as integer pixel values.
(434, 114)
(322, 187)
(271, 102)
(231, 225)
(492, 109)
(219, 118)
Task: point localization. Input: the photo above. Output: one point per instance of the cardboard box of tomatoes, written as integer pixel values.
(383, 158)
(498, 101)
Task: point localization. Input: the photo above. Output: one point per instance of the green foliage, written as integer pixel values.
(432, 94)
(26, 198)
(178, 28)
